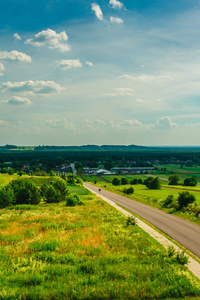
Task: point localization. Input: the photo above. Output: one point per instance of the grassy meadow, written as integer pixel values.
(51, 251)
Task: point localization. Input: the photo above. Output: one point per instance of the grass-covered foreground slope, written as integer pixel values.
(51, 251)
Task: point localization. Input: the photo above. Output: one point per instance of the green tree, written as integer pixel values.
(134, 181)
(116, 181)
(124, 181)
(6, 197)
(11, 171)
(71, 178)
(190, 181)
(185, 198)
(173, 179)
(61, 186)
(153, 183)
(51, 173)
(52, 195)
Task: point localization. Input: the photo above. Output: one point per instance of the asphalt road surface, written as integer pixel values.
(184, 232)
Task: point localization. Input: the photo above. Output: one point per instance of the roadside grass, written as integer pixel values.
(5, 179)
(154, 197)
(85, 252)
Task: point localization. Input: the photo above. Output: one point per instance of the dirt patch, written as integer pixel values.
(174, 188)
(103, 179)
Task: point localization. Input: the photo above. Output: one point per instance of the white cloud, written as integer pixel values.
(2, 69)
(146, 77)
(97, 10)
(127, 76)
(89, 63)
(37, 87)
(69, 63)
(51, 39)
(125, 90)
(17, 36)
(140, 100)
(119, 92)
(116, 20)
(15, 100)
(60, 123)
(164, 124)
(14, 56)
(116, 4)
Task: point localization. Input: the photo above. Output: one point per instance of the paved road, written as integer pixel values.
(185, 233)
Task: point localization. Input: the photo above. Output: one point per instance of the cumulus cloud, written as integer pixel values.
(89, 63)
(36, 87)
(97, 10)
(116, 4)
(161, 124)
(116, 20)
(17, 101)
(122, 125)
(14, 56)
(69, 63)
(165, 124)
(2, 69)
(51, 39)
(17, 36)
(60, 123)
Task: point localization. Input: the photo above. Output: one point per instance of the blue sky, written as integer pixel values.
(76, 72)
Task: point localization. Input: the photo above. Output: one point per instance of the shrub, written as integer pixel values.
(179, 257)
(130, 221)
(191, 181)
(78, 180)
(73, 200)
(124, 181)
(116, 181)
(63, 176)
(128, 191)
(71, 178)
(185, 198)
(168, 201)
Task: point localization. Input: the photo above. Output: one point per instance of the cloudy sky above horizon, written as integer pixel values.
(76, 72)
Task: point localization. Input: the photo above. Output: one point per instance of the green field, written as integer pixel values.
(84, 252)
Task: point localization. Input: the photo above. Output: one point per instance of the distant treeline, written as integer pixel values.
(93, 148)
(53, 158)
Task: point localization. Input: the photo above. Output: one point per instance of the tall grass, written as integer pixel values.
(85, 252)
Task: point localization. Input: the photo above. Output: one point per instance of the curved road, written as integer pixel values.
(184, 232)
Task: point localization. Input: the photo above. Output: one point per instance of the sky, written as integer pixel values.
(77, 72)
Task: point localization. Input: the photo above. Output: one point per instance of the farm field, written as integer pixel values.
(152, 197)
(182, 172)
(51, 251)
